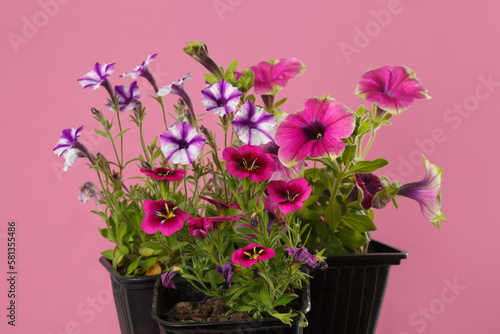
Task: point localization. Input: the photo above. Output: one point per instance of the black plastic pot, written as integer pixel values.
(165, 298)
(347, 297)
(133, 300)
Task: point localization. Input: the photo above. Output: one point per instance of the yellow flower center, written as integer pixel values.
(254, 253)
(168, 213)
(251, 167)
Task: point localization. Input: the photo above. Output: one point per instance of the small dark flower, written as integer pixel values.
(302, 255)
(226, 271)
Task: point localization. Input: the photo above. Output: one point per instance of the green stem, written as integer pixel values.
(143, 144)
(160, 101)
(372, 137)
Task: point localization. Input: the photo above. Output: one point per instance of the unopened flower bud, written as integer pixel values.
(254, 221)
(146, 165)
(97, 113)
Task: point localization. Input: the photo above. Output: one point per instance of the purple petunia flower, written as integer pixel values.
(70, 148)
(181, 144)
(164, 173)
(177, 88)
(167, 279)
(126, 96)
(221, 98)
(271, 76)
(249, 161)
(302, 255)
(427, 193)
(252, 253)
(253, 125)
(393, 88)
(163, 216)
(226, 271)
(97, 76)
(289, 195)
(141, 69)
(87, 191)
(315, 131)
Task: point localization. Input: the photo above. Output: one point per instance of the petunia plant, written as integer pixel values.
(241, 211)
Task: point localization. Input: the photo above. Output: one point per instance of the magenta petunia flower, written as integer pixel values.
(393, 88)
(427, 193)
(226, 271)
(289, 195)
(140, 70)
(370, 184)
(253, 125)
(165, 173)
(181, 144)
(271, 76)
(200, 226)
(249, 161)
(221, 98)
(163, 216)
(282, 172)
(302, 255)
(221, 206)
(252, 253)
(126, 96)
(315, 131)
(96, 77)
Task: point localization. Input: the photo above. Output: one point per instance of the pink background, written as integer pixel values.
(452, 45)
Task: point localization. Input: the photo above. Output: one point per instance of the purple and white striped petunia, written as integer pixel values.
(176, 87)
(67, 140)
(126, 96)
(221, 98)
(141, 69)
(271, 76)
(393, 88)
(69, 148)
(181, 144)
(427, 193)
(94, 78)
(253, 125)
(315, 131)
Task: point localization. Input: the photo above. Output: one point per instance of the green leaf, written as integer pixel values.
(264, 296)
(280, 102)
(351, 238)
(309, 214)
(121, 133)
(108, 254)
(133, 266)
(368, 166)
(210, 78)
(348, 154)
(153, 245)
(364, 127)
(102, 133)
(148, 262)
(232, 66)
(333, 215)
(359, 222)
(285, 299)
(145, 251)
(105, 233)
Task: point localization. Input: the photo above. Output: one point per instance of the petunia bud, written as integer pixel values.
(146, 165)
(199, 52)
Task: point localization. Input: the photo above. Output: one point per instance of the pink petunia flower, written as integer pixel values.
(165, 173)
(249, 161)
(271, 76)
(252, 253)
(200, 226)
(393, 88)
(282, 172)
(221, 207)
(315, 131)
(427, 193)
(289, 195)
(163, 216)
